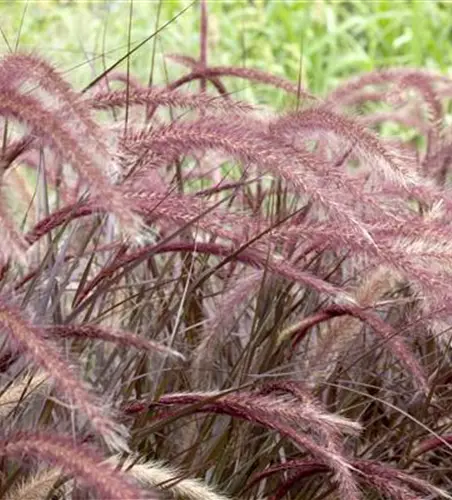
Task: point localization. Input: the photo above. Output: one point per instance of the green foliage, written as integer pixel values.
(335, 38)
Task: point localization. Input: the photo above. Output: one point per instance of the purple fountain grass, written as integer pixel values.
(154, 205)
(425, 88)
(59, 217)
(415, 249)
(49, 128)
(400, 80)
(281, 414)
(300, 244)
(395, 255)
(431, 444)
(381, 328)
(439, 163)
(19, 69)
(32, 341)
(253, 258)
(334, 425)
(386, 480)
(249, 142)
(250, 257)
(82, 462)
(401, 118)
(365, 143)
(50, 124)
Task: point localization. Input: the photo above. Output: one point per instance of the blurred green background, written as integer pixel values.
(328, 40)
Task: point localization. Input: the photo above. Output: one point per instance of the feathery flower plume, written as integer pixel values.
(400, 79)
(80, 461)
(363, 141)
(161, 476)
(250, 142)
(389, 336)
(285, 415)
(20, 68)
(31, 340)
(164, 97)
(81, 144)
(433, 443)
(36, 487)
(14, 150)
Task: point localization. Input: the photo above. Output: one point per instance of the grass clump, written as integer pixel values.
(201, 297)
